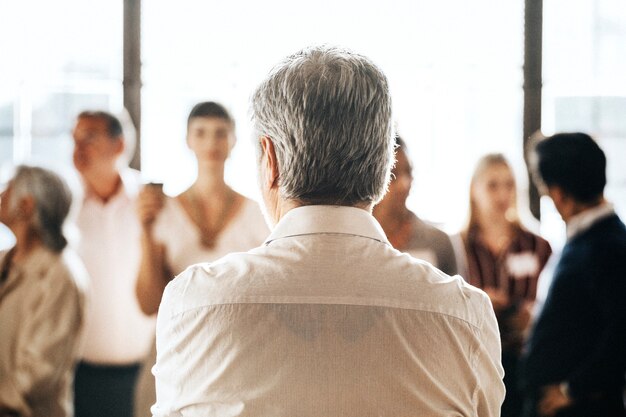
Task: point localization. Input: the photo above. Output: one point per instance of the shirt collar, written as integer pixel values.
(129, 186)
(587, 218)
(311, 220)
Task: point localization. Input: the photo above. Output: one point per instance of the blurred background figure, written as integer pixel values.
(575, 358)
(204, 223)
(405, 231)
(117, 333)
(42, 298)
(504, 259)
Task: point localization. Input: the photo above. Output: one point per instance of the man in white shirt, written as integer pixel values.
(117, 333)
(325, 319)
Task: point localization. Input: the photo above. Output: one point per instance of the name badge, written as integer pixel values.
(522, 265)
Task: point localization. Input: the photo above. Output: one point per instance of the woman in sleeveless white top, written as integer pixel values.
(183, 242)
(203, 224)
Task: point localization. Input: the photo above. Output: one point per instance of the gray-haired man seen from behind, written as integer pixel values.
(326, 318)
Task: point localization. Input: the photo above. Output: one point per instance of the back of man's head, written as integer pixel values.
(328, 113)
(573, 162)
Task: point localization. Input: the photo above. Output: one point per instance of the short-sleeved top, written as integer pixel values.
(181, 237)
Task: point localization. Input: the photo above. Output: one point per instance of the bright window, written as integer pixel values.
(57, 58)
(585, 87)
(454, 68)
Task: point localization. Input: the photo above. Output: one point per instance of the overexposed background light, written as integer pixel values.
(455, 69)
(457, 88)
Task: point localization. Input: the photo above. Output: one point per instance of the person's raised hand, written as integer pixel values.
(150, 202)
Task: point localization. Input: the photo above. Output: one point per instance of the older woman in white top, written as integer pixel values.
(41, 298)
(204, 223)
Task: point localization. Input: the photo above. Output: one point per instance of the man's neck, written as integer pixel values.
(282, 206)
(494, 226)
(578, 208)
(26, 240)
(104, 186)
(210, 184)
(391, 217)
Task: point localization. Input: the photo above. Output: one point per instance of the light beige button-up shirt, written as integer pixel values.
(42, 304)
(326, 319)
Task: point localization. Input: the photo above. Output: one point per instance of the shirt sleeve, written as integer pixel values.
(47, 345)
(489, 391)
(191, 355)
(168, 376)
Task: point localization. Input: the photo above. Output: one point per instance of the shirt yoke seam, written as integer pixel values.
(476, 326)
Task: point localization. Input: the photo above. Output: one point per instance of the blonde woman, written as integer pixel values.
(504, 259)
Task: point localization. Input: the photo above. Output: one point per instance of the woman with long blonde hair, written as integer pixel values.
(504, 259)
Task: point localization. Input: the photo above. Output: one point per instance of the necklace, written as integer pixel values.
(208, 232)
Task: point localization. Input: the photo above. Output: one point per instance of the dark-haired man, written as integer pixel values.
(576, 355)
(117, 334)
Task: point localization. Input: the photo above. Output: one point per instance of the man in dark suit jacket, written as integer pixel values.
(576, 356)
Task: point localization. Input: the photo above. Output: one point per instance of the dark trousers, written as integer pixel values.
(512, 406)
(104, 391)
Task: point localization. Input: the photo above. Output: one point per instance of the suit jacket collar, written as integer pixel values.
(585, 220)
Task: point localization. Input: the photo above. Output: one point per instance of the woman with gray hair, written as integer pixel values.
(41, 298)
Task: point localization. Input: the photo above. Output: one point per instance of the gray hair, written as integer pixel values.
(328, 113)
(52, 201)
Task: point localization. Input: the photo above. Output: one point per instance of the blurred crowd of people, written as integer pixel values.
(78, 321)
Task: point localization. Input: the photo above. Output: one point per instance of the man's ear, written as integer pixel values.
(269, 162)
(120, 146)
(562, 201)
(232, 141)
(557, 194)
(26, 207)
